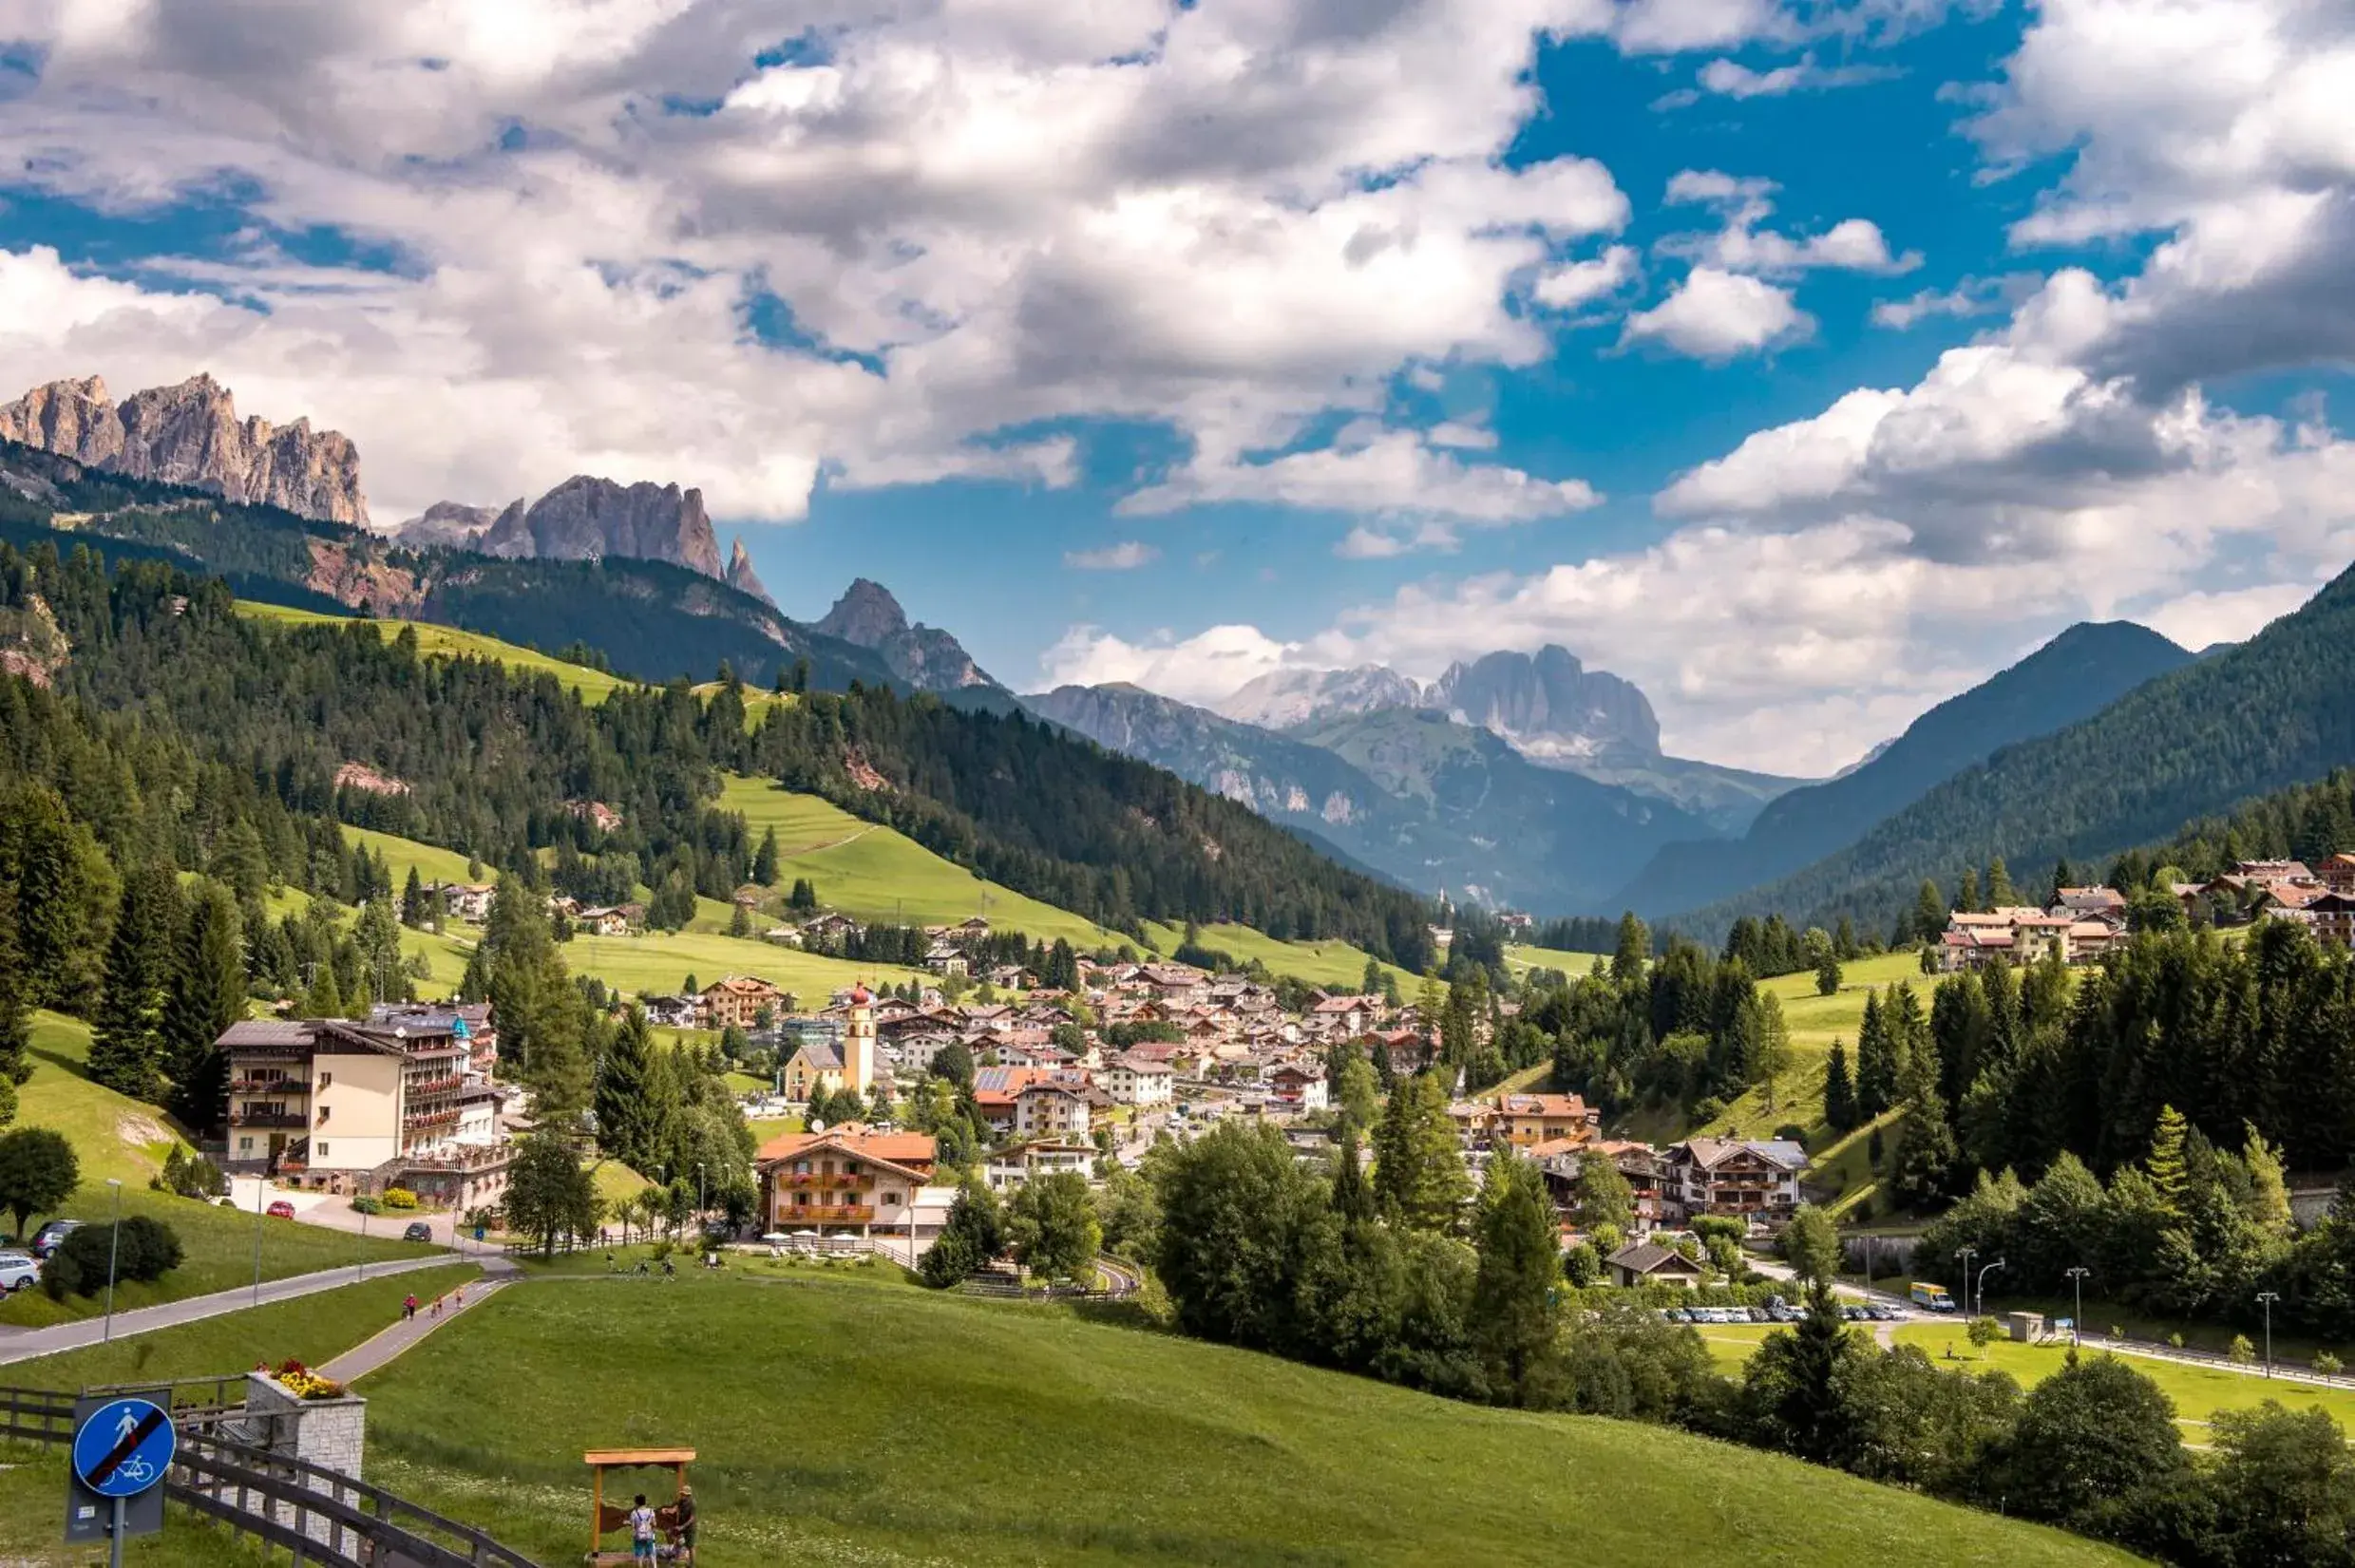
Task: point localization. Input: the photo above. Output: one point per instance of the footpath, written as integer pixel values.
(23, 1344)
(367, 1358)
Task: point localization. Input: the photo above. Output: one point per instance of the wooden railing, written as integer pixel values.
(320, 1515)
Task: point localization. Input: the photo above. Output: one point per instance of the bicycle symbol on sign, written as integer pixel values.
(136, 1470)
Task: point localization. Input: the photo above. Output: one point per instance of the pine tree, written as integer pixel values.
(1512, 1315)
(126, 1043)
(2165, 1166)
(637, 1096)
(1876, 1063)
(1844, 941)
(324, 999)
(1352, 1196)
(413, 899)
(16, 1014)
(1418, 1172)
(1966, 893)
(1929, 915)
(1828, 977)
(765, 858)
(1633, 951)
(2000, 893)
(1839, 1093)
(208, 995)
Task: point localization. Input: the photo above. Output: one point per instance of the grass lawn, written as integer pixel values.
(312, 1329)
(1575, 965)
(433, 865)
(127, 1140)
(2198, 1393)
(879, 874)
(616, 1184)
(657, 963)
(937, 1429)
(1332, 963)
(594, 685)
(32, 1515)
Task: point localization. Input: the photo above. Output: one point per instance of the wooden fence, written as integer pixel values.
(316, 1514)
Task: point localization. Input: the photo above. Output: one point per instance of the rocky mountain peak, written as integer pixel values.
(588, 518)
(865, 614)
(453, 524)
(1286, 699)
(190, 434)
(1549, 706)
(923, 656)
(742, 577)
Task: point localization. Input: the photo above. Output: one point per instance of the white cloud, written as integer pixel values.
(1125, 557)
(1731, 79)
(2199, 618)
(1392, 474)
(1583, 282)
(1200, 668)
(1854, 245)
(1718, 315)
(1473, 438)
(1972, 297)
(1012, 213)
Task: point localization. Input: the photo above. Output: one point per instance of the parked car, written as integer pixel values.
(53, 1236)
(18, 1272)
(281, 1210)
(417, 1231)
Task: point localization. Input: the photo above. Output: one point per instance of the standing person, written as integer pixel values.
(683, 1533)
(641, 1530)
(408, 1306)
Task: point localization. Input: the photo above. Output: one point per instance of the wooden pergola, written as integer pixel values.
(602, 1521)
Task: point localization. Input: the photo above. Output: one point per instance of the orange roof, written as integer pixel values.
(1543, 1104)
(896, 1148)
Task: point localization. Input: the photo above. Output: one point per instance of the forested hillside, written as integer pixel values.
(313, 720)
(2271, 712)
(2075, 675)
(650, 621)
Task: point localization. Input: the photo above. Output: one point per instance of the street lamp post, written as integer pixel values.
(1982, 1293)
(2269, 1298)
(114, 1251)
(363, 1243)
(2077, 1324)
(261, 1190)
(1963, 1255)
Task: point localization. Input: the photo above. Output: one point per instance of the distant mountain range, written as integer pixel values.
(1408, 792)
(2077, 673)
(2241, 722)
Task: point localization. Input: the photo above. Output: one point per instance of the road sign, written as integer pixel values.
(115, 1516)
(123, 1448)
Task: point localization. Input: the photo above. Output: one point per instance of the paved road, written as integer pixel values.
(24, 1343)
(336, 1214)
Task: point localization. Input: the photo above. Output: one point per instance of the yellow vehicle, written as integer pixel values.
(1932, 1297)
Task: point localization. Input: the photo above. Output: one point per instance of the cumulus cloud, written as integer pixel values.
(1854, 245)
(642, 245)
(1718, 315)
(1583, 283)
(1972, 297)
(1428, 493)
(1125, 557)
(1732, 79)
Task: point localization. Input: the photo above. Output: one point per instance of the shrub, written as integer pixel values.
(2240, 1351)
(2174, 1341)
(2329, 1365)
(400, 1197)
(364, 1205)
(1790, 1132)
(149, 1249)
(189, 1175)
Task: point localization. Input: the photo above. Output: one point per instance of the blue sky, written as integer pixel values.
(1174, 344)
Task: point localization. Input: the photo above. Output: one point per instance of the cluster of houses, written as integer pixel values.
(2084, 923)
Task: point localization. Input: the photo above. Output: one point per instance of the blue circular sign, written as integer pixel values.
(124, 1447)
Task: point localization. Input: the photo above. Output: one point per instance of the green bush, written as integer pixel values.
(400, 1197)
(149, 1249)
(2329, 1365)
(187, 1174)
(364, 1205)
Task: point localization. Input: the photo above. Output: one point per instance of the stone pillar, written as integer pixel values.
(331, 1433)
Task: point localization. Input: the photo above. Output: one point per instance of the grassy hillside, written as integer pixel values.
(959, 1430)
(879, 874)
(595, 686)
(1329, 963)
(1520, 956)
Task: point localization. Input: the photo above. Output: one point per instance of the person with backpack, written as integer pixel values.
(408, 1307)
(641, 1530)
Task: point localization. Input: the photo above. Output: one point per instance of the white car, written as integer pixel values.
(18, 1271)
